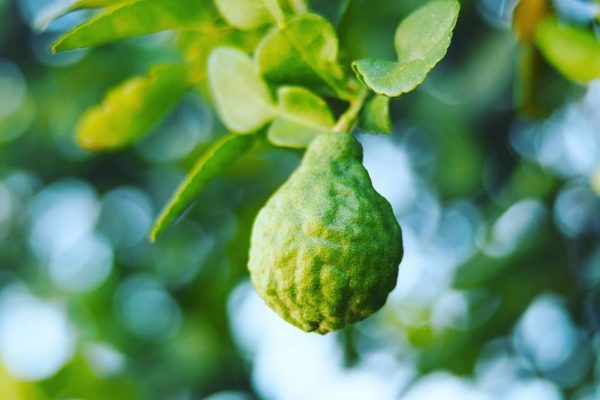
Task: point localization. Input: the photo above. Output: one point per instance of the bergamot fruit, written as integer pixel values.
(325, 249)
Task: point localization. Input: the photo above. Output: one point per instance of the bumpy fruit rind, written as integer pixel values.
(325, 249)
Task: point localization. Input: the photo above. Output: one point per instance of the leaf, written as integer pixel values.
(131, 109)
(302, 116)
(197, 46)
(390, 78)
(573, 51)
(57, 9)
(217, 158)
(244, 14)
(421, 41)
(134, 18)
(376, 115)
(426, 33)
(595, 181)
(304, 52)
(242, 98)
(95, 3)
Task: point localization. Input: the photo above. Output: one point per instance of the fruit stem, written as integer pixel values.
(348, 119)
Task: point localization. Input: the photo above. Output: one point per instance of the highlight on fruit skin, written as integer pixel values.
(326, 248)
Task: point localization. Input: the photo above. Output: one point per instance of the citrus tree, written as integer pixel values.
(437, 157)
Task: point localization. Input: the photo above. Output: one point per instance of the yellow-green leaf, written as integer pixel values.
(216, 159)
(573, 51)
(131, 109)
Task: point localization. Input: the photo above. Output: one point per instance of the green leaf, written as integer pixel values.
(57, 9)
(95, 3)
(244, 14)
(376, 115)
(131, 109)
(304, 52)
(302, 116)
(242, 98)
(426, 33)
(390, 78)
(575, 52)
(134, 18)
(252, 14)
(197, 46)
(217, 158)
(421, 41)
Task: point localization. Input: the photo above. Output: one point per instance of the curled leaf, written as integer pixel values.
(376, 115)
(421, 41)
(573, 51)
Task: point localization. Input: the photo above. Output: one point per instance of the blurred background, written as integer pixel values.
(493, 171)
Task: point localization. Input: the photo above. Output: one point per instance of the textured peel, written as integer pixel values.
(325, 249)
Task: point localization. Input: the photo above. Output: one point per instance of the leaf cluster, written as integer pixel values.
(270, 68)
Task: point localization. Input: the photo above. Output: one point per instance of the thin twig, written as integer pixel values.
(347, 120)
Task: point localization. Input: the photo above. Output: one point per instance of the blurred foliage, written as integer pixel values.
(492, 168)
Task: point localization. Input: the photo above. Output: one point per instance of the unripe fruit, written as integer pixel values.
(325, 249)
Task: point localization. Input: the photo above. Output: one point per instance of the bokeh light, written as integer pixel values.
(146, 309)
(25, 352)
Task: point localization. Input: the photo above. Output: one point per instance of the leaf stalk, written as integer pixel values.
(348, 119)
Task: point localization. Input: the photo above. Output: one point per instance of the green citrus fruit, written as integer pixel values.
(325, 249)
